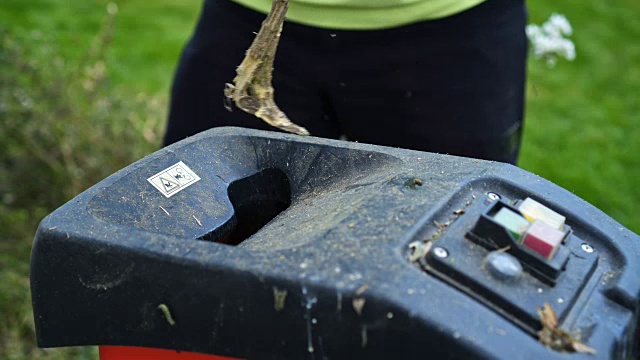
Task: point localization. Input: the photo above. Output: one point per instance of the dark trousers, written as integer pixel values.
(452, 85)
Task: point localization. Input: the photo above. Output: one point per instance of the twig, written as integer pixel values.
(165, 210)
(252, 90)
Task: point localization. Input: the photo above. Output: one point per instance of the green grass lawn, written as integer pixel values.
(583, 117)
(582, 122)
(149, 35)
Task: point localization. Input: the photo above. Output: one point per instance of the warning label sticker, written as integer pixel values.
(174, 179)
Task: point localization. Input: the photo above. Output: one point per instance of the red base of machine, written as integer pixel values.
(142, 353)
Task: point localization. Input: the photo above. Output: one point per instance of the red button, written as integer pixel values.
(543, 239)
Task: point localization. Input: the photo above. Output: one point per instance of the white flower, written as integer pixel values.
(561, 23)
(548, 41)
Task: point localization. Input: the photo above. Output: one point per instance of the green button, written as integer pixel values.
(513, 222)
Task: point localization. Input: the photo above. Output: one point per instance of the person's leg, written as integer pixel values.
(223, 34)
(454, 85)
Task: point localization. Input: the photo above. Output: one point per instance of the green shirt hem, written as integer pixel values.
(344, 17)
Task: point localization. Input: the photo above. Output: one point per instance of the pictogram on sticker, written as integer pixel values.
(168, 184)
(173, 179)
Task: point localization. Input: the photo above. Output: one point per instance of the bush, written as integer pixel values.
(63, 128)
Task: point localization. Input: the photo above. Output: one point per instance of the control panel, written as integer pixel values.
(513, 255)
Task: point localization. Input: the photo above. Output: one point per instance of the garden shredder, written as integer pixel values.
(247, 244)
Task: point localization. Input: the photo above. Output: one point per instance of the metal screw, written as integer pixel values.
(493, 196)
(587, 248)
(440, 252)
(389, 315)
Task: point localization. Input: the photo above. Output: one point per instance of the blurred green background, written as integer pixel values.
(84, 93)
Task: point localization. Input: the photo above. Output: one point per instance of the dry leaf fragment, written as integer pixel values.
(440, 226)
(358, 305)
(548, 317)
(279, 297)
(554, 337)
(580, 347)
(419, 249)
(362, 289)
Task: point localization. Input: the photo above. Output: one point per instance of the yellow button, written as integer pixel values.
(533, 210)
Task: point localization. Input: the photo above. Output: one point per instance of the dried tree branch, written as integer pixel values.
(252, 90)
